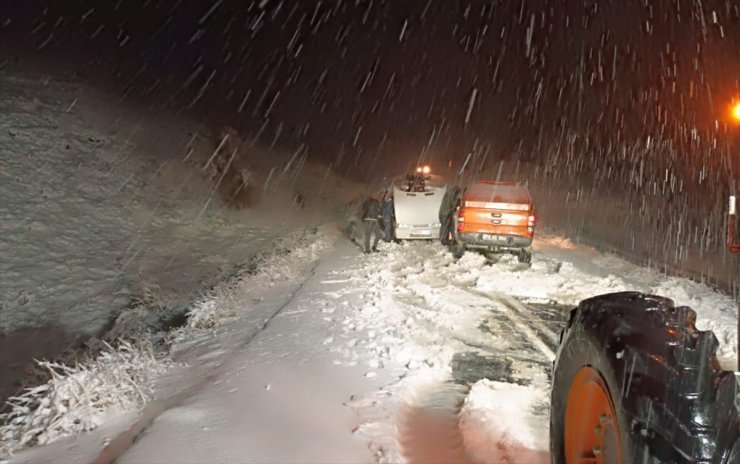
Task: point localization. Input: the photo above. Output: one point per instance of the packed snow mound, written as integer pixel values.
(423, 312)
(489, 432)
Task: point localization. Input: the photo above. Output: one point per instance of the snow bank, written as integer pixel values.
(110, 219)
(279, 264)
(79, 398)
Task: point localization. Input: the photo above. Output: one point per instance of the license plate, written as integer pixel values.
(493, 238)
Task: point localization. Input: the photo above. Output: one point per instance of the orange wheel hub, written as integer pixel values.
(591, 428)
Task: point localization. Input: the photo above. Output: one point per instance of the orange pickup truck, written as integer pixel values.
(495, 217)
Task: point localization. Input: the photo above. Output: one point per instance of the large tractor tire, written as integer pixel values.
(592, 420)
(634, 381)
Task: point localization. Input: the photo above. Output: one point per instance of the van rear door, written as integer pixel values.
(417, 208)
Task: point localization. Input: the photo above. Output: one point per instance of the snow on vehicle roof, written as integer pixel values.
(498, 191)
(430, 181)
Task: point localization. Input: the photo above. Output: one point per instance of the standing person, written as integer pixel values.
(446, 212)
(388, 216)
(370, 216)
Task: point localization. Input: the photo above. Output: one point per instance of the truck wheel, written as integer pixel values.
(457, 249)
(635, 381)
(587, 421)
(524, 256)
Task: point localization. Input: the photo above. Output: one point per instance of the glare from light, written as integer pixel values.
(426, 169)
(736, 112)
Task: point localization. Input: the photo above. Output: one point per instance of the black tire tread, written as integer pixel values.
(673, 388)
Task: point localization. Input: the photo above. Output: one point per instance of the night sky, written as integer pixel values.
(381, 81)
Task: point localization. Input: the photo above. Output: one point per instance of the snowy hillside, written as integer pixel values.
(106, 208)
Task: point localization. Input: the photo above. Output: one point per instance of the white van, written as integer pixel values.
(417, 198)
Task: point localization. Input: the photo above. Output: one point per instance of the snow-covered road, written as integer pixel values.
(329, 355)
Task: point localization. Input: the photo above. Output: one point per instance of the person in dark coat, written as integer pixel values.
(388, 216)
(370, 216)
(450, 201)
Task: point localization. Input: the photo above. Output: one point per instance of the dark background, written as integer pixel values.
(340, 77)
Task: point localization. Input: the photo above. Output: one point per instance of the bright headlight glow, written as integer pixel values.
(736, 112)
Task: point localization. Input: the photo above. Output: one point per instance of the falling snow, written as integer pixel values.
(150, 151)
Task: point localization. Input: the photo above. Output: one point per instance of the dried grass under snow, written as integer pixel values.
(78, 398)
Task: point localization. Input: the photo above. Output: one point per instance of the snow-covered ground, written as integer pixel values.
(324, 354)
(107, 209)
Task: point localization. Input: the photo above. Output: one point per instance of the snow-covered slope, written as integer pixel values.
(99, 214)
(107, 207)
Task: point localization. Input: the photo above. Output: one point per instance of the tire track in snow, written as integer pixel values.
(429, 425)
(527, 326)
(429, 428)
(537, 334)
(526, 312)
